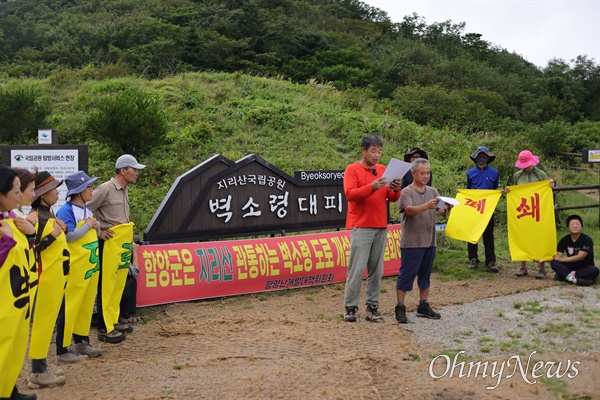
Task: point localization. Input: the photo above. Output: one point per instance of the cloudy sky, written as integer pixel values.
(538, 30)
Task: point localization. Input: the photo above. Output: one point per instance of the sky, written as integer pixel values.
(537, 30)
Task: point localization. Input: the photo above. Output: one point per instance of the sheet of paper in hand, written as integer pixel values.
(396, 169)
(447, 200)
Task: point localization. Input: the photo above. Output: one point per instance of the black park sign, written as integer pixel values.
(221, 198)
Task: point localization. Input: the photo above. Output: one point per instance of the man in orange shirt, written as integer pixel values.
(367, 193)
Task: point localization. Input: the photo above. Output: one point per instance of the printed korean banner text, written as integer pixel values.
(468, 220)
(531, 224)
(172, 273)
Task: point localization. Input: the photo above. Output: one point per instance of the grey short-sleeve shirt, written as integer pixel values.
(417, 231)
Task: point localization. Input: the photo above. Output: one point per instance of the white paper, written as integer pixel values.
(446, 200)
(396, 169)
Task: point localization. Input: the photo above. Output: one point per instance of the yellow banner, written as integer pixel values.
(116, 257)
(53, 267)
(468, 220)
(82, 284)
(15, 310)
(531, 224)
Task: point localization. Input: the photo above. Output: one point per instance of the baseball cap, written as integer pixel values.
(127, 160)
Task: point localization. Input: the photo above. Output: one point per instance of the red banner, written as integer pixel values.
(172, 273)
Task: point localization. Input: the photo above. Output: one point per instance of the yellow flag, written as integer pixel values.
(53, 267)
(116, 257)
(531, 225)
(82, 284)
(468, 220)
(15, 310)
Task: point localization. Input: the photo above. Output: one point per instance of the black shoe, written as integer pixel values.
(424, 310)
(15, 395)
(350, 314)
(125, 328)
(400, 312)
(557, 278)
(373, 315)
(584, 282)
(492, 266)
(112, 337)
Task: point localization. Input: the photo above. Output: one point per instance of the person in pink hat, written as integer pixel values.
(529, 172)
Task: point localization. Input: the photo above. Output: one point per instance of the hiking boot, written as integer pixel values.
(521, 272)
(424, 310)
(113, 337)
(56, 371)
(70, 358)
(125, 328)
(492, 266)
(474, 263)
(541, 274)
(373, 314)
(400, 312)
(350, 314)
(85, 348)
(44, 379)
(583, 282)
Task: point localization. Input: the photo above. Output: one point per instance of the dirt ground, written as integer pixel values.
(293, 344)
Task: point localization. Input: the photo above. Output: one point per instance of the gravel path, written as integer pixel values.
(557, 319)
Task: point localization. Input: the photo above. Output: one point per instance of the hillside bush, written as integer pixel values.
(23, 110)
(132, 122)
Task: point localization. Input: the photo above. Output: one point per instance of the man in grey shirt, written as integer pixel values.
(418, 204)
(110, 203)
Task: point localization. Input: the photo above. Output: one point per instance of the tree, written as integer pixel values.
(133, 121)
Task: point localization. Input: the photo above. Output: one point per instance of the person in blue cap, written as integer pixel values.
(482, 176)
(78, 303)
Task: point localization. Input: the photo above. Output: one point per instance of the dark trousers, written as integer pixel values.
(128, 304)
(563, 269)
(488, 243)
(99, 311)
(61, 347)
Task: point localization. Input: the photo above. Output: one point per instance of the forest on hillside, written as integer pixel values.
(297, 82)
(437, 74)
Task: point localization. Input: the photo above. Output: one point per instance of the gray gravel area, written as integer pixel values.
(557, 319)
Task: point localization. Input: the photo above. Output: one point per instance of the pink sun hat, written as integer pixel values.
(526, 159)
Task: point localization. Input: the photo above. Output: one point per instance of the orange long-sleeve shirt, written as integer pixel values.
(366, 208)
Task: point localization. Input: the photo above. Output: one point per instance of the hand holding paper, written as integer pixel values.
(446, 200)
(396, 169)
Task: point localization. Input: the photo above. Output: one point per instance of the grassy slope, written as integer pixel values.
(294, 127)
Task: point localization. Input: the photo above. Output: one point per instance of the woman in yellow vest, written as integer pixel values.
(53, 268)
(76, 313)
(15, 306)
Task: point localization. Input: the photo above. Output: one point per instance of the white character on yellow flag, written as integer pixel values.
(468, 221)
(531, 224)
(116, 257)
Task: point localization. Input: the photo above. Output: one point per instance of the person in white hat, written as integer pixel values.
(529, 172)
(110, 202)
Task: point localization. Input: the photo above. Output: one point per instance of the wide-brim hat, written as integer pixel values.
(413, 151)
(45, 183)
(78, 182)
(526, 159)
(485, 150)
